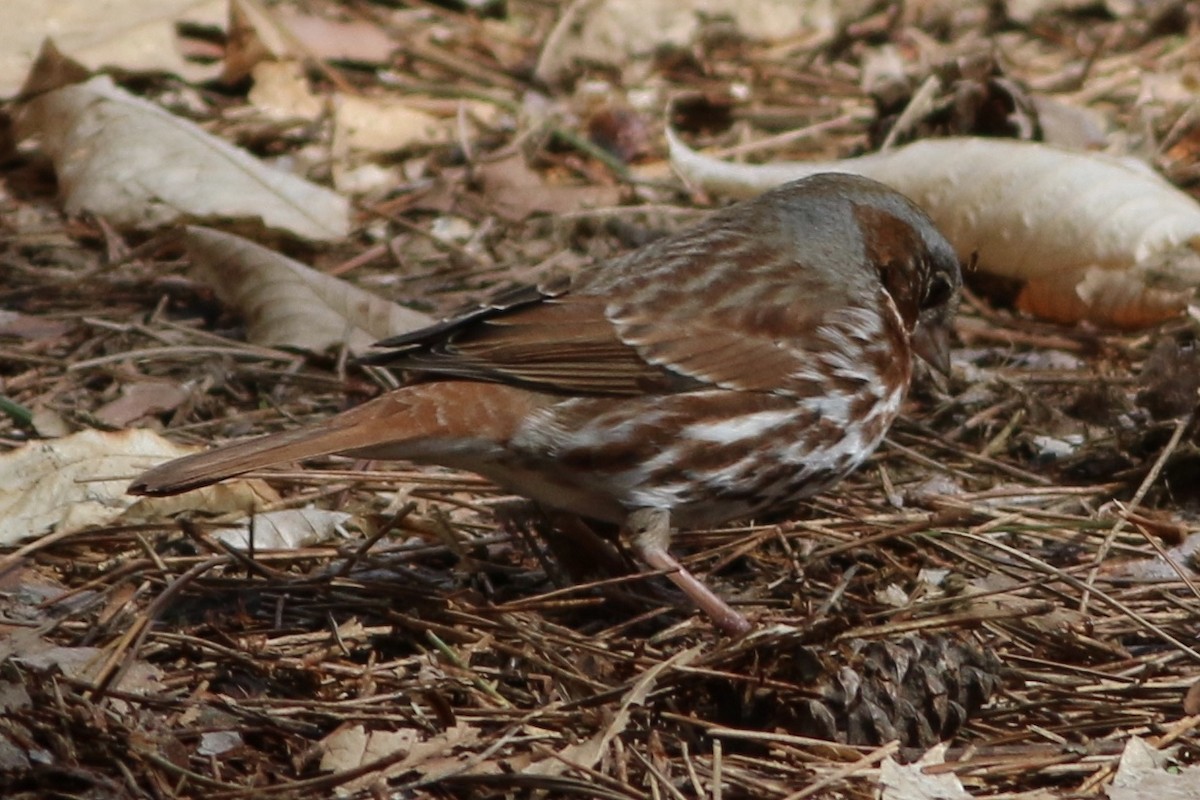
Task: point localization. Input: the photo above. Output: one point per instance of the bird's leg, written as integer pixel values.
(580, 552)
(650, 530)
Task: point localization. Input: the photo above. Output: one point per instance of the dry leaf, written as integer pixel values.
(352, 746)
(128, 160)
(1070, 126)
(258, 34)
(288, 304)
(130, 34)
(255, 37)
(1093, 237)
(70, 483)
(244, 495)
(1024, 12)
(336, 40)
(1165, 568)
(383, 125)
(612, 32)
(1191, 700)
(588, 753)
(141, 399)
(910, 781)
(48, 423)
(26, 647)
(286, 529)
(999, 596)
(1143, 772)
(281, 90)
(214, 743)
(518, 191)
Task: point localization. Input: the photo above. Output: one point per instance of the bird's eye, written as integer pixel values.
(939, 292)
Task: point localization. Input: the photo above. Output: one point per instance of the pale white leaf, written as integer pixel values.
(130, 161)
(911, 782)
(70, 483)
(288, 304)
(1144, 772)
(214, 743)
(281, 90)
(286, 529)
(131, 34)
(384, 125)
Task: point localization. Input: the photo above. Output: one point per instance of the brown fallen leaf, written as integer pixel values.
(353, 40)
(141, 399)
(1191, 700)
(258, 33)
(255, 36)
(407, 749)
(517, 191)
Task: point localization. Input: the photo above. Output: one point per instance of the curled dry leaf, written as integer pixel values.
(1092, 237)
(288, 304)
(70, 483)
(130, 161)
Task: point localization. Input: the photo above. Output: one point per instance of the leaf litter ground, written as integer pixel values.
(996, 577)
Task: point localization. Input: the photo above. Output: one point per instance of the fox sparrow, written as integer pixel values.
(734, 367)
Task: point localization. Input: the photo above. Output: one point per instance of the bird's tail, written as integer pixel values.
(401, 424)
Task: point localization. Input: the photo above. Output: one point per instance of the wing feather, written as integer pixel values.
(675, 315)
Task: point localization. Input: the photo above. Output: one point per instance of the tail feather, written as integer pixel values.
(397, 425)
(231, 460)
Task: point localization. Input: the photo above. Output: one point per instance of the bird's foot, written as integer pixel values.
(650, 532)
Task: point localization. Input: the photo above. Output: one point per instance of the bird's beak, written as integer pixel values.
(932, 344)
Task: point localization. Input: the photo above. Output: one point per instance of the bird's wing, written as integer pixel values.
(690, 310)
(544, 338)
